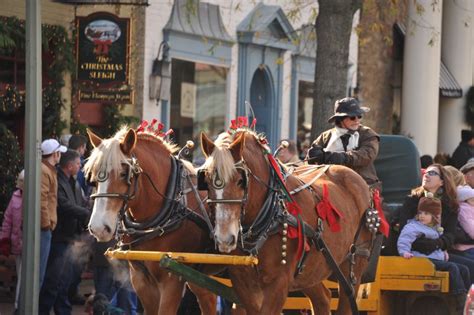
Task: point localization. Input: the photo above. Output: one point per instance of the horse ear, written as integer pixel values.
(207, 146)
(128, 143)
(237, 146)
(94, 139)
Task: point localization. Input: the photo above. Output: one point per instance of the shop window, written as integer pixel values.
(305, 111)
(198, 102)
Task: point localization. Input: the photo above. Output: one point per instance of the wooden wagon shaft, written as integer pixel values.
(200, 279)
(187, 258)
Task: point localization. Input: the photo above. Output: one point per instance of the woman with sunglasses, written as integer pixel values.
(349, 143)
(437, 183)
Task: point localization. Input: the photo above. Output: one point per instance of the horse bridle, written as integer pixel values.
(218, 183)
(133, 172)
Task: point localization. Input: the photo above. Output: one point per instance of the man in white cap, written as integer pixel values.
(51, 153)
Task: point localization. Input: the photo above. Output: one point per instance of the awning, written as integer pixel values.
(448, 86)
(195, 31)
(196, 18)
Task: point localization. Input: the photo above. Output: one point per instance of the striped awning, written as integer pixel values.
(448, 86)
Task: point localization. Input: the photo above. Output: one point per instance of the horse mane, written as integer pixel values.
(221, 159)
(108, 157)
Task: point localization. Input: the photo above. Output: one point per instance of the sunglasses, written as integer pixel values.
(354, 117)
(433, 173)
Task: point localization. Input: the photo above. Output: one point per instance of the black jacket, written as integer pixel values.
(461, 155)
(449, 219)
(72, 213)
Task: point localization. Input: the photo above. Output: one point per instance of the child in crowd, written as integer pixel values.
(466, 220)
(11, 233)
(427, 223)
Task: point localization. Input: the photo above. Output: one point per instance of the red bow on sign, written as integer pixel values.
(102, 46)
(328, 212)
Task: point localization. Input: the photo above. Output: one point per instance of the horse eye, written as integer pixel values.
(123, 175)
(240, 183)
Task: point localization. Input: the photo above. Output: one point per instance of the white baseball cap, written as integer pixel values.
(50, 146)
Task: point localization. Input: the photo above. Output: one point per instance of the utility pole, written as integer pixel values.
(31, 196)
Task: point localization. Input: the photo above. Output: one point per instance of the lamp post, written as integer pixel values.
(160, 77)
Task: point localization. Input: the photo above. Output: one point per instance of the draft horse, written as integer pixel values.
(148, 196)
(250, 217)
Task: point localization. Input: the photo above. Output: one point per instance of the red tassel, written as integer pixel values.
(328, 212)
(142, 126)
(384, 227)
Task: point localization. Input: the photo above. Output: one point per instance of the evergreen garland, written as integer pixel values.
(57, 45)
(114, 120)
(11, 162)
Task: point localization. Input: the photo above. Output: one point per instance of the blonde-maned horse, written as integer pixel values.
(249, 218)
(141, 183)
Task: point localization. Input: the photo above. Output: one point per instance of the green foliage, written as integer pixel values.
(11, 101)
(469, 107)
(55, 43)
(113, 120)
(10, 165)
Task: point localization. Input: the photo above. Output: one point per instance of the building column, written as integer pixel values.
(456, 53)
(419, 117)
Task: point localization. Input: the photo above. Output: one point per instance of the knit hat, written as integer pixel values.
(430, 205)
(465, 192)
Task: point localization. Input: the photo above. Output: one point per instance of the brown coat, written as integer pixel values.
(362, 158)
(49, 196)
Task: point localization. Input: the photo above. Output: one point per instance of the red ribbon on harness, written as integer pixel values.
(328, 212)
(293, 208)
(384, 227)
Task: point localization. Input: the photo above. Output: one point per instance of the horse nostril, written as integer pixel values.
(107, 228)
(232, 240)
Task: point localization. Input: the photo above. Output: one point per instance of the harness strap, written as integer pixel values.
(317, 238)
(205, 215)
(344, 284)
(308, 184)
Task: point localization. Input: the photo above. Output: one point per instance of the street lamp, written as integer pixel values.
(160, 77)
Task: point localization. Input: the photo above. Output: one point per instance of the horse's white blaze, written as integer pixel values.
(102, 216)
(227, 225)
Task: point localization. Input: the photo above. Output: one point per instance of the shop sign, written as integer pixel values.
(112, 96)
(188, 100)
(103, 49)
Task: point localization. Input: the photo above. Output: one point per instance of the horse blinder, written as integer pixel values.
(201, 180)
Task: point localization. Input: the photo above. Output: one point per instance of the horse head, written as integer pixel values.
(228, 175)
(116, 165)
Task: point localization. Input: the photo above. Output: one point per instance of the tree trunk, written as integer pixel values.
(333, 31)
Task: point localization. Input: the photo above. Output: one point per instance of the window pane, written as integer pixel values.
(198, 102)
